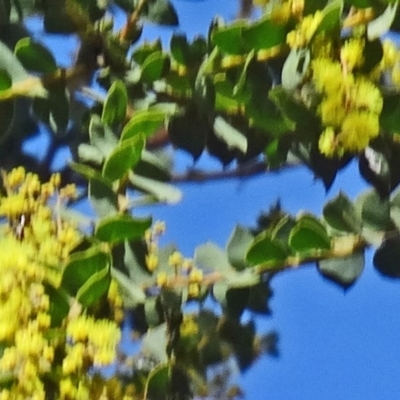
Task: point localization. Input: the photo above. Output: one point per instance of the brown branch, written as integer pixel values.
(127, 31)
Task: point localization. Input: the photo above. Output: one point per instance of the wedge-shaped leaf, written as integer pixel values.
(382, 24)
(158, 383)
(229, 39)
(58, 305)
(118, 228)
(161, 12)
(283, 228)
(237, 246)
(114, 109)
(331, 19)
(102, 137)
(387, 258)
(5, 80)
(34, 56)
(309, 235)
(341, 214)
(156, 165)
(210, 256)
(147, 48)
(264, 34)
(180, 49)
(155, 67)
(155, 343)
(81, 267)
(344, 270)
(163, 192)
(10, 63)
(266, 251)
(131, 292)
(101, 196)
(143, 122)
(231, 136)
(94, 288)
(123, 158)
(374, 211)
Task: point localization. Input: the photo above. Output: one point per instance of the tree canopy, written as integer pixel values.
(312, 83)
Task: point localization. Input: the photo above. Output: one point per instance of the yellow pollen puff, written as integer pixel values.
(326, 142)
(175, 259)
(151, 261)
(196, 275)
(351, 53)
(301, 36)
(162, 279)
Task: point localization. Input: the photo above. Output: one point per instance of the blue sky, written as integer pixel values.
(334, 345)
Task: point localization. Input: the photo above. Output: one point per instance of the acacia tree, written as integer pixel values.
(309, 82)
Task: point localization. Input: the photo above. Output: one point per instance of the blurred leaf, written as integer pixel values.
(331, 19)
(143, 51)
(237, 246)
(115, 105)
(259, 297)
(344, 270)
(34, 56)
(94, 288)
(81, 267)
(309, 235)
(58, 305)
(161, 12)
(283, 229)
(59, 109)
(102, 137)
(118, 228)
(372, 55)
(231, 136)
(154, 67)
(381, 25)
(232, 300)
(155, 342)
(123, 158)
(7, 112)
(5, 80)
(143, 122)
(268, 251)
(374, 211)
(131, 292)
(230, 38)
(11, 65)
(295, 68)
(341, 214)
(162, 191)
(389, 118)
(154, 165)
(158, 383)
(387, 258)
(210, 256)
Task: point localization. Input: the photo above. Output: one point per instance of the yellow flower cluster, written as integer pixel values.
(152, 236)
(305, 30)
(349, 108)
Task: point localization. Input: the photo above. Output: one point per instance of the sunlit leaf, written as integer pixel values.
(231, 136)
(94, 288)
(237, 246)
(154, 343)
(380, 25)
(155, 67)
(131, 292)
(143, 122)
(114, 109)
(212, 257)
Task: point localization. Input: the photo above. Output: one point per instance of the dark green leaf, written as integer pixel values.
(7, 110)
(344, 270)
(155, 67)
(58, 305)
(81, 267)
(389, 118)
(118, 228)
(154, 165)
(267, 251)
(114, 109)
(180, 49)
(233, 301)
(230, 38)
(309, 235)
(387, 258)
(237, 246)
(145, 50)
(94, 288)
(123, 158)
(5, 80)
(158, 384)
(331, 19)
(161, 12)
(374, 211)
(341, 214)
(34, 56)
(59, 109)
(144, 122)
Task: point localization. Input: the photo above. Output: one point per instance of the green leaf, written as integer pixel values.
(161, 191)
(131, 292)
(387, 258)
(264, 34)
(102, 137)
(344, 270)
(158, 384)
(233, 301)
(144, 122)
(5, 80)
(230, 38)
(341, 215)
(295, 68)
(228, 134)
(118, 228)
(309, 235)
(374, 211)
(331, 19)
(237, 246)
(389, 118)
(155, 342)
(155, 165)
(161, 12)
(210, 256)
(81, 267)
(11, 65)
(180, 49)
(123, 158)
(101, 196)
(145, 50)
(267, 251)
(115, 105)
(155, 67)
(381, 25)
(94, 288)
(59, 109)
(34, 56)
(58, 305)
